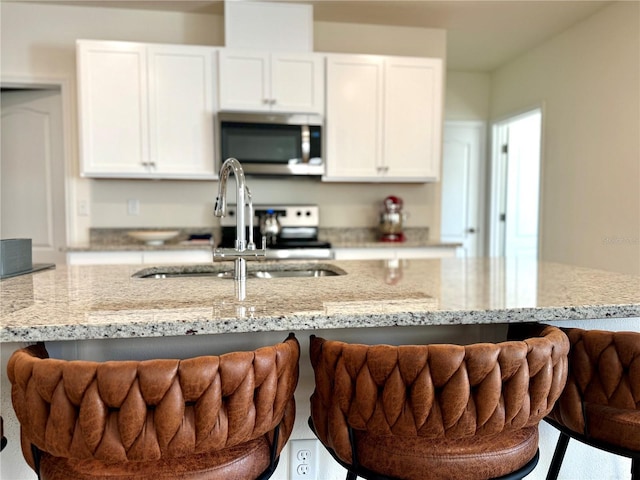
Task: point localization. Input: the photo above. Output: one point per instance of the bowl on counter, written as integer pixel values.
(153, 237)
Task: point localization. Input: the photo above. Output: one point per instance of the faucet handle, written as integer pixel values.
(251, 245)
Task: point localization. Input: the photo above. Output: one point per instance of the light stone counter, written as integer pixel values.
(93, 302)
(81, 305)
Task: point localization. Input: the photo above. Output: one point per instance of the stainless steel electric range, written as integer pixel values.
(291, 231)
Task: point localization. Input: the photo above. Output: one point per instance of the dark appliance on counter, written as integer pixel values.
(16, 258)
(273, 144)
(291, 231)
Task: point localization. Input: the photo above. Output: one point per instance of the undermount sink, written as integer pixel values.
(276, 270)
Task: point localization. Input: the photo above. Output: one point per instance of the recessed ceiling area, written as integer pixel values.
(481, 34)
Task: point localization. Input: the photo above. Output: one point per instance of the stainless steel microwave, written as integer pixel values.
(272, 144)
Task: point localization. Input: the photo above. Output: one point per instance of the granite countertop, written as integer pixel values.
(91, 302)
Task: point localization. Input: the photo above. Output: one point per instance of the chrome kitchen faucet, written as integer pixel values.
(242, 249)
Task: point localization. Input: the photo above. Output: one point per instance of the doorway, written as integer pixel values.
(32, 171)
(515, 185)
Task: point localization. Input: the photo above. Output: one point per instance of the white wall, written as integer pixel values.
(38, 41)
(467, 96)
(38, 46)
(588, 80)
(587, 77)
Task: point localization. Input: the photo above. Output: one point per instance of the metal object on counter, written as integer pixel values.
(270, 226)
(391, 219)
(241, 249)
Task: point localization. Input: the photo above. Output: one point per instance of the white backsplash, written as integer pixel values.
(190, 203)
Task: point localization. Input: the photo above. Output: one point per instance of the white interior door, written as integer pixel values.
(523, 184)
(32, 201)
(462, 186)
(515, 189)
(522, 159)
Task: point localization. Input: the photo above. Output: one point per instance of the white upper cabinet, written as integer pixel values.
(181, 109)
(383, 119)
(252, 81)
(354, 116)
(413, 100)
(146, 111)
(114, 124)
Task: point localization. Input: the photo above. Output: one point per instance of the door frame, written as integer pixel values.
(497, 184)
(69, 150)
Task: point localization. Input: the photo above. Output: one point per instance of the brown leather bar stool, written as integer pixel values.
(600, 406)
(436, 411)
(210, 417)
(3, 439)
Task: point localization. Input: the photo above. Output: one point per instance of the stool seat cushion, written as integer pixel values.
(235, 463)
(408, 458)
(614, 426)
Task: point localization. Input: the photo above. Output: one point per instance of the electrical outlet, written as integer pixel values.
(303, 460)
(303, 455)
(133, 206)
(83, 208)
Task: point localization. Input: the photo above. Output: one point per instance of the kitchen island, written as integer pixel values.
(104, 312)
(93, 302)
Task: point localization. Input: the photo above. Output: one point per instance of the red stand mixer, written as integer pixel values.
(391, 220)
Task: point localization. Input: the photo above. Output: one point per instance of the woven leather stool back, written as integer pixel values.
(453, 411)
(205, 417)
(600, 405)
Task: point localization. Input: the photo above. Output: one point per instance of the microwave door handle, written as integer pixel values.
(306, 143)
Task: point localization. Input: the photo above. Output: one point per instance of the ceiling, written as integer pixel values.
(481, 34)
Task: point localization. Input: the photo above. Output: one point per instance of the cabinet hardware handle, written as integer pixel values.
(471, 230)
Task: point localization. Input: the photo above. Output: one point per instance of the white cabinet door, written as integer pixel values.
(390, 253)
(412, 118)
(244, 81)
(354, 116)
(297, 83)
(146, 257)
(384, 117)
(370, 253)
(181, 111)
(112, 99)
(146, 111)
(104, 258)
(253, 81)
(181, 257)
